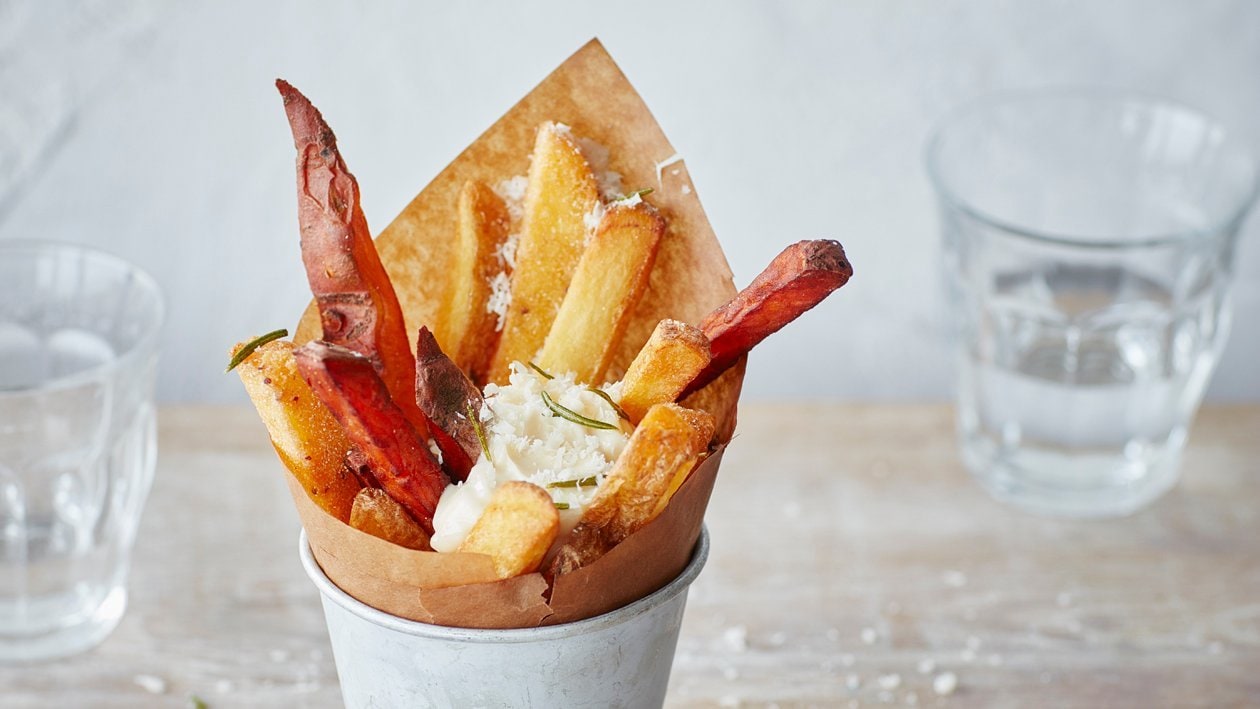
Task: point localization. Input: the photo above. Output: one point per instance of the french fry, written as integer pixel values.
(305, 435)
(352, 390)
(465, 328)
(673, 356)
(561, 193)
(376, 513)
(516, 529)
(663, 446)
(357, 305)
(795, 281)
(449, 400)
(610, 278)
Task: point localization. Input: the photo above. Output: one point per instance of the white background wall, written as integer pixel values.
(152, 130)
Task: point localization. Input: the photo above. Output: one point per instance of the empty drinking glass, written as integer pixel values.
(1089, 244)
(78, 351)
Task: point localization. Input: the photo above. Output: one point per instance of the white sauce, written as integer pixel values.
(528, 442)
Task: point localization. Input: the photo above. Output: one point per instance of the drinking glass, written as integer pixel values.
(78, 352)
(1089, 241)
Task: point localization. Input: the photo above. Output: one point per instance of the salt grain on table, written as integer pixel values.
(150, 683)
(869, 636)
(945, 683)
(736, 638)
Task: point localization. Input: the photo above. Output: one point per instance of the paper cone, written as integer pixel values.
(690, 278)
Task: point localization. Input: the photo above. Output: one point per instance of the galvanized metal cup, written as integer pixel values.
(618, 659)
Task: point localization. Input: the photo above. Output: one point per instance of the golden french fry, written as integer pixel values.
(663, 446)
(465, 327)
(516, 529)
(305, 435)
(561, 193)
(376, 513)
(609, 280)
(672, 357)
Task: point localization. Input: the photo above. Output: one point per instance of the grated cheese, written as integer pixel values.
(660, 166)
(512, 192)
(528, 442)
(500, 298)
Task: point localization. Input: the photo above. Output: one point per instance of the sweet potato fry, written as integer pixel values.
(673, 356)
(465, 328)
(357, 305)
(795, 281)
(376, 513)
(352, 390)
(516, 529)
(561, 193)
(609, 280)
(307, 438)
(448, 399)
(665, 444)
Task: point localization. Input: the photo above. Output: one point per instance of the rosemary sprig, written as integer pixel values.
(248, 348)
(621, 413)
(592, 481)
(481, 433)
(540, 370)
(562, 505)
(575, 417)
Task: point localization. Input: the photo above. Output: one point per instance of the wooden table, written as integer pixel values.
(854, 563)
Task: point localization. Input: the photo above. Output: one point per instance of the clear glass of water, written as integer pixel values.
(1089, 242)
(78, 353)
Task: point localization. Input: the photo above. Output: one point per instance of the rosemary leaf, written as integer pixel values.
(581, 482)
(562, 505)
(540, 370)
(637, 193)
(621, 413)
(248, 348)
(481, 433)
(575, 417)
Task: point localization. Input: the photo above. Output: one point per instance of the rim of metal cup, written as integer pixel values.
(330, 590)
(1101, 95)
(124, 358)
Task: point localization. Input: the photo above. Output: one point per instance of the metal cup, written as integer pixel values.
(619, 659)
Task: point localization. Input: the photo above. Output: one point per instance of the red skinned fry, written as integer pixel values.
(350, 388)
(448, 398)
(358, 308)
(795, 281)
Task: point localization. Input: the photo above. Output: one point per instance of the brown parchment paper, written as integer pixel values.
(691, 277)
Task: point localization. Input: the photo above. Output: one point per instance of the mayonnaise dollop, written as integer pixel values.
(528, 442)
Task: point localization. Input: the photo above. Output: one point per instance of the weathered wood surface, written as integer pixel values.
(850, 552)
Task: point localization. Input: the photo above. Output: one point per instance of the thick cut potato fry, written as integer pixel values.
(376, 513)
(516, 529)
(673, 356)
(307, 438)
(357, 305)
(609, 280)
(352, 390)
(465, 328)
(795, 281)
(449, 400)
(561, 193)
(665, 445)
